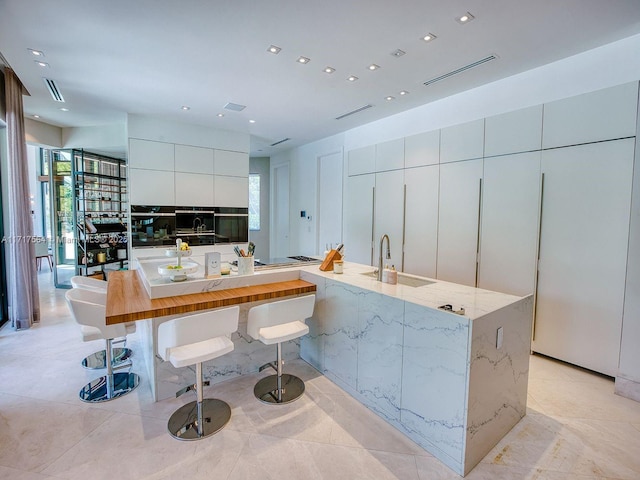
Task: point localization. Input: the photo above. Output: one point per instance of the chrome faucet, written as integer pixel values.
(388, 254)
(197, 224)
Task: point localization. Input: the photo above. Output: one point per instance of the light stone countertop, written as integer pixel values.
(476, 302)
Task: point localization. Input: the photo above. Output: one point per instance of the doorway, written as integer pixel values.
(329, 202)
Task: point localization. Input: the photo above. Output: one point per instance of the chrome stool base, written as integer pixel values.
(98, 360)
(183, 424)
(109, 387)
(266, 390)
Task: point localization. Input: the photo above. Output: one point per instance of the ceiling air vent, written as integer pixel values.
(357, 110)
(280, 141)
(235, 107)
(461, 69)
(53, 90)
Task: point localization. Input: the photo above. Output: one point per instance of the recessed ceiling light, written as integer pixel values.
(64, 109)
(398, 53)
(273, 49)
(429, 37)
(466, 18)
(37, 53)
(329, 70)
(221, 115)
(252, 121)
(389, 98)
(303, 60)
(185, 108)
(404, 92)
(42, 64)
(373, 66)
(36, 116)
(352, 78)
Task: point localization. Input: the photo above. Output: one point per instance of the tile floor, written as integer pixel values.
(576, 428)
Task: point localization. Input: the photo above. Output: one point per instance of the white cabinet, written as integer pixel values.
(510, 207)
(151, 187)
(151, 155)
(459, 223)
(390, 155)
(361, 160)
(388, 218)
(235, 164)
(194, 159)
(583, 252)
(462, 142)
(231, 191)
(513, 132)
(358, 218)
(421, 220)
(603, 115)
(194, 190)
(422, 149)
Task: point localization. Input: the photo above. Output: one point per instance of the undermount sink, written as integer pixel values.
(403, 279)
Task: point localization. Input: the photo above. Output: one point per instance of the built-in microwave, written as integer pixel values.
(231, 225)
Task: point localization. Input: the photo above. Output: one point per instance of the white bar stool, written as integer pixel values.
(277, 322)
(88, 309)
(192, 340)
(98, 360)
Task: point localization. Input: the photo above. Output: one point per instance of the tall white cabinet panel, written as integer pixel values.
(231, 191)
(194, 159)
(513, 132)
(194, 190)
(602, 115)
(459, 221)
(151, 155)
(510, 207)
(390, 155)
(362, 160)
(388, 218)
(583, 251)
(235, 164)
(421, 220)
(151, 187)
(358, 218)
(422, 149)
(462, 142)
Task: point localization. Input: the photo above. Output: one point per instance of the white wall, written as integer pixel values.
(42, 134)
(104, 138)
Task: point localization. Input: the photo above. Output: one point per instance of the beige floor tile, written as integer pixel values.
(13, 474)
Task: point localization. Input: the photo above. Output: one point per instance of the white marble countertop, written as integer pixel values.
(476, 302)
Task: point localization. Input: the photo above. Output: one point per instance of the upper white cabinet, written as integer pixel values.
(151, 187)
(388, 218)
(462, 142)
(583, 253)
(151, 155)
(194, 159)
(422, 149)
(235, 164)
(361, 160)
(514, 132)
(459, 221)
(358, 218)
(390, 155)
(231, 191)
(194, 189)
(510, 206)
(603, 115)
(421, 220)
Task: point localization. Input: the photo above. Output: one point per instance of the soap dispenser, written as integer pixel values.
(392, 276)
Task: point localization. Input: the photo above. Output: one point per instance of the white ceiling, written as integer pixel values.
(151, 57)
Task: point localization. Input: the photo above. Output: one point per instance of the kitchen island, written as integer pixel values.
(455, 383)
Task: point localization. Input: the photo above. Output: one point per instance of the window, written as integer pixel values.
(254, 201)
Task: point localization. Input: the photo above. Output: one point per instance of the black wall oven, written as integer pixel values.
(152, 225)
(231, 225)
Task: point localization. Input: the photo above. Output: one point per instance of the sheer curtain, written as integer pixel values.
(24, 303)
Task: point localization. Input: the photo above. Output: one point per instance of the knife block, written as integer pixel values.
(327, 264)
